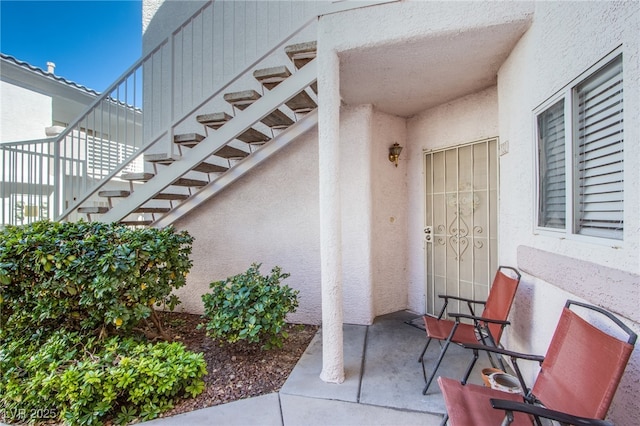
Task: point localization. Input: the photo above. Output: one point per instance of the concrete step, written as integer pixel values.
(152, 210)
(241, 100)
(143, 177)
(93, 210)
(217, 120)
(136, 222)
(166, 160)
(170, 196)
(271, 77)
(137, 176)
(301, 103)
(188, 139)
(214, 121)
(230, 152)
(210, 168)
(189, 182)
(119, 193)
(301, 53)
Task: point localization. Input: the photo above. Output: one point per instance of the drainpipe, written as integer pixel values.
(330, 215)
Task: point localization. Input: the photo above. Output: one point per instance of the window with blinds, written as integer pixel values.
(552, 179)
(599, 154)
(588, 197)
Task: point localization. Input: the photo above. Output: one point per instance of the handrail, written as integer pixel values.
(105, 95)
(242, 73)
(111, 133)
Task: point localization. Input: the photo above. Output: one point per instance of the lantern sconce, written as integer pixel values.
(394, 153)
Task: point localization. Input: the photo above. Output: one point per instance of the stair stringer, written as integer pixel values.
(216, 140)
(256, 158)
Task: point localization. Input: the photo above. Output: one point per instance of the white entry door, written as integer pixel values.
(461, 223)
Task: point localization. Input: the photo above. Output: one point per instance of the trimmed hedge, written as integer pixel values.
(70, 296)
(251, 307)
(89, 277)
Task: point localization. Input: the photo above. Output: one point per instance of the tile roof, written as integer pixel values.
(42, 72)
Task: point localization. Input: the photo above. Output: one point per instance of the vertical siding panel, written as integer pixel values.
(197, 54)
(207, 52)
(218, 41)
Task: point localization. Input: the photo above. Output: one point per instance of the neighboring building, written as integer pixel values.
(37, 104)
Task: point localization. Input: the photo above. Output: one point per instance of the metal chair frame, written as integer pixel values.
(530, 403)
(481, 325)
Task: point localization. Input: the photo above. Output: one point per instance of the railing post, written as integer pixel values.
(57, 182)
(172, 95)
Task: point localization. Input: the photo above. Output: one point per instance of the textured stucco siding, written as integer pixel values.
(26, 116)
(564, 41)
(389, 209)
(270, 216)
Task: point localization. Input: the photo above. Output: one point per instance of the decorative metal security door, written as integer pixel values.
(461, 223)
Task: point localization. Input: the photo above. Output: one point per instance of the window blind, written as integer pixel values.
(552, 180)
(599, 154)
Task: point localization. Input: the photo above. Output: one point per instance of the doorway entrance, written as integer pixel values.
(461, 223)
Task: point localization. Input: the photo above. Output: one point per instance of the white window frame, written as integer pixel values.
(568, 94)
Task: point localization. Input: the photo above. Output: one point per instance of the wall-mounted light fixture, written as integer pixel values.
(394, 153)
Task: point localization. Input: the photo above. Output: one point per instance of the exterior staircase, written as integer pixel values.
(253, 128)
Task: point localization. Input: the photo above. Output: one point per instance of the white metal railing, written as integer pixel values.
(51, 178)
(27, 185)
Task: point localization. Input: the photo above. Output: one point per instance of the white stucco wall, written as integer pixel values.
(382, 208)
(25, 116)
(270, 216)
(389, 214)
(564, 41)
(468, 119)
(356, 208)
(374, 207)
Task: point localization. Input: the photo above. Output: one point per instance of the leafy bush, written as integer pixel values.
(64, 288)
(89, 277)
(250, 307)
(85, 381)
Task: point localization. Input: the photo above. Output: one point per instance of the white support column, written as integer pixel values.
(330, 216)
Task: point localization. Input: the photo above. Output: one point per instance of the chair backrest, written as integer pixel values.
(583, 365)
(501, 295)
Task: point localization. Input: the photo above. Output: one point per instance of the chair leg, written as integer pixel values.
(445, 420)
(435, 369)
(426, 345)
(421, 359)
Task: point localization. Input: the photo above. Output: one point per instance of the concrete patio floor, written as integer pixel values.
(383, 384)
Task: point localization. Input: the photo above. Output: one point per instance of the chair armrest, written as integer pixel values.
(535, 410)
(502, 351)
(462, 299)
(482, 319)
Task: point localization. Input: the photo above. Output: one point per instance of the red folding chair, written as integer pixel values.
(576, 383)
(486, 328)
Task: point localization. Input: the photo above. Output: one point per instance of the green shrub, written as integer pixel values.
(91, 277)
(64, 288)
(250, 307)
(84, 381)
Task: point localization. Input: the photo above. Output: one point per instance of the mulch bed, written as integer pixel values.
(235, 371)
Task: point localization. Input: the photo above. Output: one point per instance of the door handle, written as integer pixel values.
(428, 234)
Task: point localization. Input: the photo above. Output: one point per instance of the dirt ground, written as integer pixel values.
(235, 371)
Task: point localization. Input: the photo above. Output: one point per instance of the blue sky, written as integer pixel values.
(91, 42)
